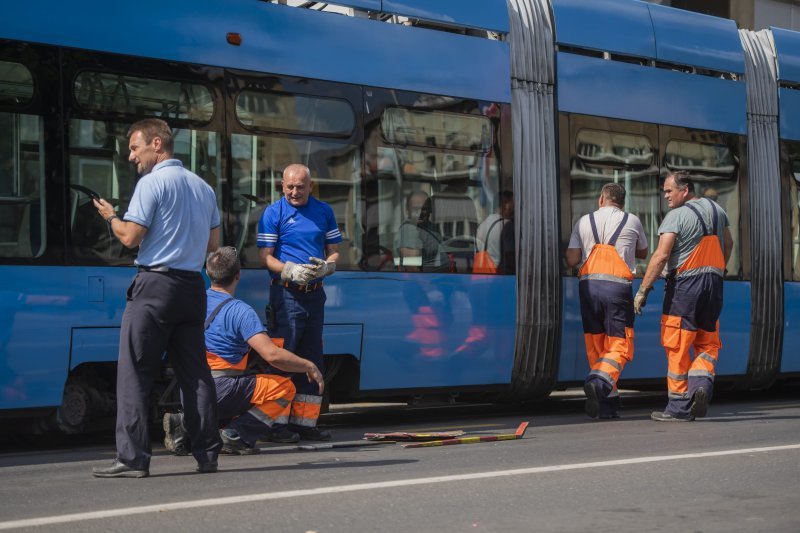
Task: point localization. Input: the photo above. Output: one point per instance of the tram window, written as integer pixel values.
(99, 92)
(16, 83)
(601, 157)
(295, 113)
(98, 160)
(22, 208)
(794, 203)
(456, 187)
(258, 163)
(437, 129)
(713, 168)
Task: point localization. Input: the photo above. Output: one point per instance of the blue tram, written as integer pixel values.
(462, 101)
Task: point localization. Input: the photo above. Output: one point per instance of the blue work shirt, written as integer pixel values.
(179, 210)
(227, 335)
(297, 233)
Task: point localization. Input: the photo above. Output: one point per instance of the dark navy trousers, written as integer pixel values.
(165, 311)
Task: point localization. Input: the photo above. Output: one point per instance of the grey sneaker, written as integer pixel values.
(232, 444)
(658, 416)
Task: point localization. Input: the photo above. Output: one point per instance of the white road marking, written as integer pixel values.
(238, 500)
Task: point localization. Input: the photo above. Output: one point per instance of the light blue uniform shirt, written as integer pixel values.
(179, 211)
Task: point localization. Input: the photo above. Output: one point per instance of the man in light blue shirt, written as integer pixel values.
(174, 220)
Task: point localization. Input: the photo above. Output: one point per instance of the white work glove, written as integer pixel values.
(300, 274)
(640, 300)
(322, 267)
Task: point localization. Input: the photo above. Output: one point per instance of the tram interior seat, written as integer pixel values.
(21, 218)
(456, 218)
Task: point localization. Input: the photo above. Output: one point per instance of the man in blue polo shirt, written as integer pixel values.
(173, 219)
(298, 239)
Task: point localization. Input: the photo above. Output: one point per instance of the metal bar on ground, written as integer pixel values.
(518, 434)
(331, 445)
(407, 435)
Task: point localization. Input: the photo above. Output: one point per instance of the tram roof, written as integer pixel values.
(650, 31)
(296, 42)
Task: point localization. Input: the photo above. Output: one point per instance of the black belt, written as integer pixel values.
(311, 287)
(163, 269)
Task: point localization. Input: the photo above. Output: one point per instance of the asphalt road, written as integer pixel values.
(736, 470)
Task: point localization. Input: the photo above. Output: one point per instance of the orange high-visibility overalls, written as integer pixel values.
(692, 305)
(251, 404)
(606, 309)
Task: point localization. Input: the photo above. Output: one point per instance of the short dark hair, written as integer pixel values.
(222, 265)
(614, 192)
(681, 179)
(152, 128)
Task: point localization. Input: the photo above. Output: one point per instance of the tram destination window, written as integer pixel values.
(99, 92)
(16, 83)
(22, 209)
(295, 113)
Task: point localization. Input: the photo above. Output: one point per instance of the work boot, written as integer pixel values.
(658, 416)
(592, 405)
(597, 392)
(609, 408)
(232, 444)
(176, 438)
(207, 468)
(699, 406)
(314, 433)
(284, 435)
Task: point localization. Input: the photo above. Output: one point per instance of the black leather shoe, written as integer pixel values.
(314, 433)
(118, 469)
(658, 416)
(284, 435)
(699, 406)
(207, 468)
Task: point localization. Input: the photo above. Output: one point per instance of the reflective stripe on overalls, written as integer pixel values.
(266, 398)
(692, 305)
(606, 308)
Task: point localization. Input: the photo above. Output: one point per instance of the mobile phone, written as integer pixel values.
(86, 190)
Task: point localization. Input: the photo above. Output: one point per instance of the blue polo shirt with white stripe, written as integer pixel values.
(297, 233)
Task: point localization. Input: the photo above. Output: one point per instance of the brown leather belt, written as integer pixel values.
(311, 287)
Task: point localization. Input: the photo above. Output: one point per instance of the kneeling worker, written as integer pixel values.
(254, 404)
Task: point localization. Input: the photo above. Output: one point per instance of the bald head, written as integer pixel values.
(296, 184)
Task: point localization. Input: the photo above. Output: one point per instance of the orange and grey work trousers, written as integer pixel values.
(690, 321)
(254, 405)
(606, 299)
